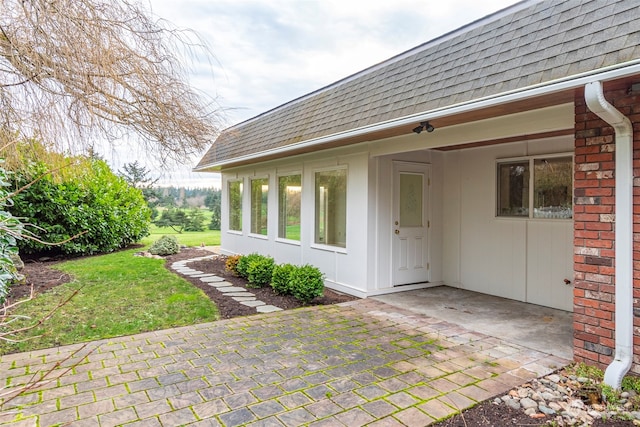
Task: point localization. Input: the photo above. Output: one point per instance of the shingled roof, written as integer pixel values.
(527, 44)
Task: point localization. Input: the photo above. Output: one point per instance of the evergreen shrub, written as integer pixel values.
(260, 271)
(306, 283)
(280, 278)
(166, 245)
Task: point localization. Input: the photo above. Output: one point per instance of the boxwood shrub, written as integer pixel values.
(280, 278)
(260, 271)
(306, 283)
(242, 267)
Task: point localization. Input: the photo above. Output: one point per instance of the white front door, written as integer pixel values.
(410, 223)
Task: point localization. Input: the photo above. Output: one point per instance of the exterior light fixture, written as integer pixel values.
(424, 126)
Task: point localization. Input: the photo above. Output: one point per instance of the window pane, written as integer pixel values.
(331, 207)
(513, 189)
(235, 205)
(410, 200)
(552, 188)
(289, 189)
(259, 193)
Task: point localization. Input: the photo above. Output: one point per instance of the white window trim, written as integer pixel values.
(278, 176)
(322, 246)
(531, 159)
(258, 235)
(229, 230)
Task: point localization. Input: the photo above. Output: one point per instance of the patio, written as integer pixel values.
(365, 362)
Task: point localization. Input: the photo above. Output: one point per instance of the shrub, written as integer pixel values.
(280, 278)
(260, 271)
(242, 268)
(306, 283)
(11, 230)
(87, 198)
(166, 245)
(231, 264)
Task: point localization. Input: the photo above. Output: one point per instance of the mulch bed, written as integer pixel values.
(229, 308)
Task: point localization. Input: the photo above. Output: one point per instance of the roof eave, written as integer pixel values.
(571, 82)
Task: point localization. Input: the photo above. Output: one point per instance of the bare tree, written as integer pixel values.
(74, 70)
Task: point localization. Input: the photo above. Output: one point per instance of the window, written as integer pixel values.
(235, 205)
(513, 189)
(259, 193)
(289, 190)
(544, 183)
(331, 207)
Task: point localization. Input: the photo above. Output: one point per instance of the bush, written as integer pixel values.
(231, 264)
(86, 198)
(166, 245)
(260, 271)
(306, 283)
(242, 268)
(280, 278)
(10, 231)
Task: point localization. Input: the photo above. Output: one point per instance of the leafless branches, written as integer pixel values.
(73, 70)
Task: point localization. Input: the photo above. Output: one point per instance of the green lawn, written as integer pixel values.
(119, 295)
(188, 238)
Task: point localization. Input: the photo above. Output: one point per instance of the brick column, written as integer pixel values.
(594, 222)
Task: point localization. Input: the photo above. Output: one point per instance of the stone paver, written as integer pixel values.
(357, 363)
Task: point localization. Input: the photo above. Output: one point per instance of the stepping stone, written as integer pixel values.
(241, 299)
(222, 285)
(267, 309)
(226, 289)
(187, 270)
(194, 273)
(201, 275)
(255, 303)
(212, 279)
(239, 294)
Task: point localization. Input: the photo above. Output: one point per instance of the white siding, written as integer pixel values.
(345, 268)
(516, 258)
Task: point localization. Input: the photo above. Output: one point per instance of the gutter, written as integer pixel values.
(623, 234)
(558, 85)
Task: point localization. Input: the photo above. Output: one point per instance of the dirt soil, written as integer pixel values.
(43, 276)
(488, 414)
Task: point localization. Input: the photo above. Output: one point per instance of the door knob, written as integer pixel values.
(397, 231)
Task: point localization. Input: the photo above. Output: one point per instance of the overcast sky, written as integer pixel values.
(269, 52)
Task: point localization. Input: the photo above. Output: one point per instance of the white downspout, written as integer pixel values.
(624, 231)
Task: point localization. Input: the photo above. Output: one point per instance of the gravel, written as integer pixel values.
(568, 400)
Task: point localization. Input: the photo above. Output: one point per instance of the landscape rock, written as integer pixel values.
(559, 398)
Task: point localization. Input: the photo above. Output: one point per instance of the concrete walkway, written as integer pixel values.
(358, 363)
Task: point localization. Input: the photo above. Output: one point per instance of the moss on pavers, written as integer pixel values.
(353, 363)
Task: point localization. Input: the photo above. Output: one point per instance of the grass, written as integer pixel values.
(119, 295)
(187, 238)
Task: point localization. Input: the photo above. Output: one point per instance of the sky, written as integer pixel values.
(269, 52)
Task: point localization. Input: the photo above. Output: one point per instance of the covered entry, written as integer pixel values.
(509, 228)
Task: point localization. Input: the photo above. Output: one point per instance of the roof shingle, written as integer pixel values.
(545, 41)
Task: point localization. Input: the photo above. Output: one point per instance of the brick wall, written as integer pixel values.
(594, 225)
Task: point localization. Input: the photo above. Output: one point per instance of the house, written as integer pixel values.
(499, 158)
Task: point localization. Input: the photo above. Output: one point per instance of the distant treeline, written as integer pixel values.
(181, 197)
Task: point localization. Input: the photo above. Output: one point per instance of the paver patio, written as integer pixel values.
(352, 364)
